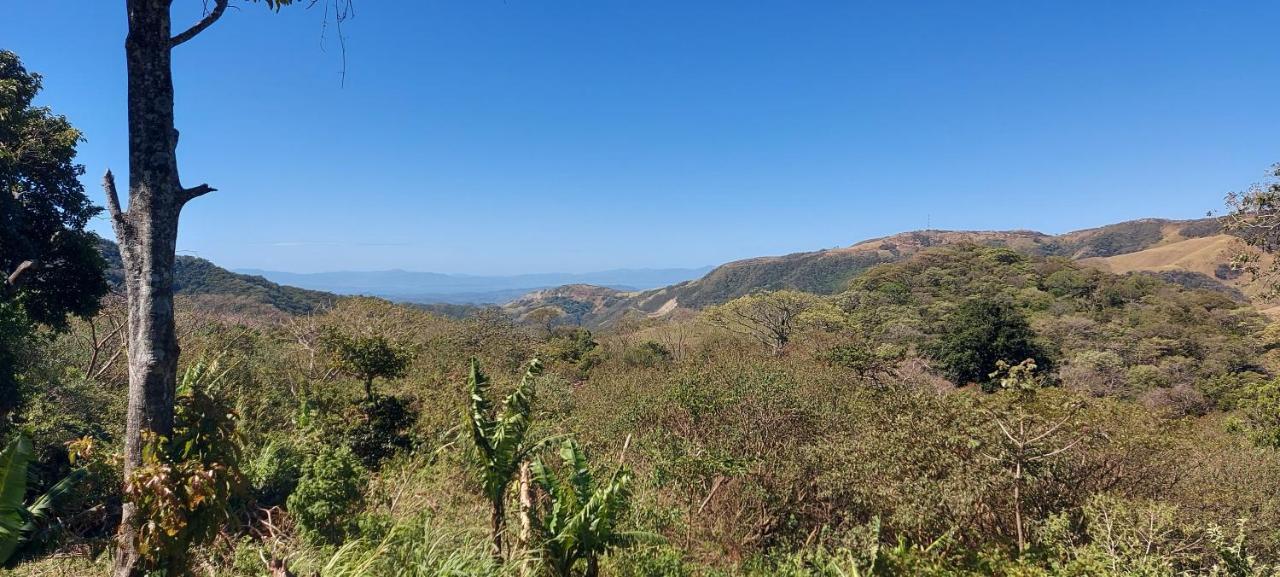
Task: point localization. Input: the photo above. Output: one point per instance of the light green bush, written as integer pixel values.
(328, 495)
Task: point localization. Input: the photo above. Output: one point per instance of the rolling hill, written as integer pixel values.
(1187, 252)
(829, 271)
(216, 287)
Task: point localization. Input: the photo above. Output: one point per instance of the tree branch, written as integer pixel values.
(219, 7)
(14, 281)
(113, 198)
(191, 193)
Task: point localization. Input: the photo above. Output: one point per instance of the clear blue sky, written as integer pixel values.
(505, 136)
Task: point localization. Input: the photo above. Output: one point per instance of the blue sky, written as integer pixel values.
(509, 136)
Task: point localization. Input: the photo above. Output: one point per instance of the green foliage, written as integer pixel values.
(16, 335)
(1253, 216)
(648, 354)
(980, 334)
(573, 346)
(1259, 404)
(1234, 560)
(867, 359)
(367, 357)
(416, 548)
(328, 496)
(43, 208)
(197, 276)
(745, 463)
(49, 266)
(770, 318)
(184, 487)
(652, 561)
(500, 435)
(382, 429)
(274, 473)
(582, 519)
(20, 525)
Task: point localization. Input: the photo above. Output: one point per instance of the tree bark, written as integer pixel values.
(525, 489)
(526, 505)
(147, 233)
(497, 524)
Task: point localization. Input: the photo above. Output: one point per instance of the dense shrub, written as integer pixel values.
(382, 429)
(327, 497)
(980, 333)
(274, 473)
(574, 348)
(648, 354)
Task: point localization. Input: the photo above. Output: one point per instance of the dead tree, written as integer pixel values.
(147, 231)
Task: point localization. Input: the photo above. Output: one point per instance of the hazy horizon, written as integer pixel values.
(510, 137)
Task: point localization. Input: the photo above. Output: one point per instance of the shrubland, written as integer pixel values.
(969, 411)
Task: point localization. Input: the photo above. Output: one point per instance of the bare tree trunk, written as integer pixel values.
(1017, 507)
(148, 234)
(526, 504)
(525, 489)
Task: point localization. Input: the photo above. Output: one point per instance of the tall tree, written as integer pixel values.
(49, 265)
(978, 335)
(770, 318)
(148, 230)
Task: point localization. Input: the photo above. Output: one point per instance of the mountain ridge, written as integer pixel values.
(829, 270)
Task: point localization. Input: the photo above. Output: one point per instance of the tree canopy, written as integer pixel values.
(979, 335)
(50, 264)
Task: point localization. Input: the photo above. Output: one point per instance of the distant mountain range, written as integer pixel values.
(430, 287)
(1187, 252)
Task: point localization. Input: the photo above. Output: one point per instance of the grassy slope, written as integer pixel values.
(829, 271)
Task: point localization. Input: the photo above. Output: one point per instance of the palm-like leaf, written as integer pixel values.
(581, 520)
(501, 438)
(18, 523)
(42, 509)
(481, 409)
(13, 487)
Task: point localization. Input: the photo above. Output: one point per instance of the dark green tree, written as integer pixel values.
(50, 267)
(368, 357)
(978, 335)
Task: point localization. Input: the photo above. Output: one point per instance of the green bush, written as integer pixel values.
(328, 495)
(274, 473)
(980, 333)
(383, 429)
(648, 354)
(657, 561)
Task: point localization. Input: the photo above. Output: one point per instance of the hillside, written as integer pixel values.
(829, 271)
(215, 287)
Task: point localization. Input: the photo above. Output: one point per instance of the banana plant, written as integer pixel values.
(19, 523)
(501, 438)
(580, 520)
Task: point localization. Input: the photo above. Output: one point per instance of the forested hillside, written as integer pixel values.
(218, 288)
(830, 271)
